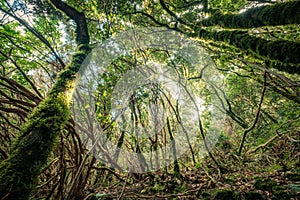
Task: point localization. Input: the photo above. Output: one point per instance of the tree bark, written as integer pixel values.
(269, 15)
(285, 53)
(19, 173)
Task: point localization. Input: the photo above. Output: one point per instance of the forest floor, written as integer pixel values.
(273, 173)
(197, 185)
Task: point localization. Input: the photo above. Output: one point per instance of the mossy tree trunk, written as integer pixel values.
(284, 53)
(19, 173)
(269, 15)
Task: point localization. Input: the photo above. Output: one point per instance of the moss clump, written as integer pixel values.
(293, 176)
(254, 195)
(264, 184)
(100, 197)
(230, 180)
(272, 15)
(226, 194)
(19, 172)
(279, 51)
(281, 195)
(204, 195)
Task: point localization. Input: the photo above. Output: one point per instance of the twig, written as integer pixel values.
(34, 32)
(257, 114)
(264, 144)
(123, 189)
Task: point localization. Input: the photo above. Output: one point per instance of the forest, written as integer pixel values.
(149, 99)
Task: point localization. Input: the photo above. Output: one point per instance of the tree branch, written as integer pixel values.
(257, 114)
(269, 15)
(36, 33)
(82, 35)
(164, 6)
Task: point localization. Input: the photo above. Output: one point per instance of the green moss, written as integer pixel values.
(281, 195)
(226, 194)
(264, 184)
(204, 195)
(253, 195)
(18, 174)
(230, 180)
(100, 197)
(20, 171)
(281, 52)
(157, 187)
(294, 188)
(269, 15)
(293, 176)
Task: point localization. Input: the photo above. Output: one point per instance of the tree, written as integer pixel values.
(279, 53)
(20, 170)
(256, 50)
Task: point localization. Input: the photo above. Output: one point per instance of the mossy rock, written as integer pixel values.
(226, 195)
(254, 195)
(264, 184)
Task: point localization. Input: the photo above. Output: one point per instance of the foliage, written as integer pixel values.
(253, 55)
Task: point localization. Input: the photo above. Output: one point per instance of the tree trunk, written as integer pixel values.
(269, 15)
(19, 173)
(283, 52)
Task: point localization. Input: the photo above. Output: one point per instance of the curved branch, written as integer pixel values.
(82, 35)
(164, 6)
(36, 33)
(20, 89)
(156, 21)
(23, 74)
(257, 114)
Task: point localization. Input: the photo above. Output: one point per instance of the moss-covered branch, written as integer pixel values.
(19, 173)
(269, 15)
(283, 52)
